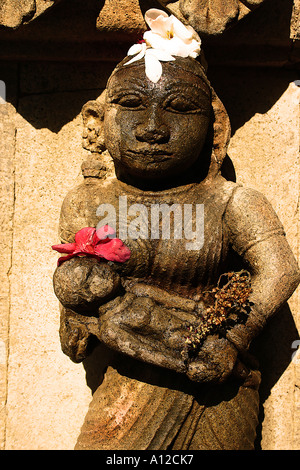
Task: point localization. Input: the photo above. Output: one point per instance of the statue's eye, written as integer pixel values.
(187, 105)
(181, 104)
(129, 101)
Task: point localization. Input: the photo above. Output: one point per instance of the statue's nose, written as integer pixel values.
(153, 130)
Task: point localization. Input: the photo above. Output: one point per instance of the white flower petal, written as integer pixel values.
(158, 21)
(181, 41)
(178, 48)
(180, 30)
(194, 48)
(194, 34)
(140, 54)
(156, 40)
(153, 67)
(135, 49)
(138, 57)
(161, 55)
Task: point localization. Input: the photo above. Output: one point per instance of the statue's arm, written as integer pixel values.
(81, 284)
(257, 235)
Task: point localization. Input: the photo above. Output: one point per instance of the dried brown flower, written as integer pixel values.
(228, 305)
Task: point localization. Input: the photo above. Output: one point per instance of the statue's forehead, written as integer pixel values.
(133, 76)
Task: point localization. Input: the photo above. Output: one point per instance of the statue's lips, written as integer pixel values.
(152, 155)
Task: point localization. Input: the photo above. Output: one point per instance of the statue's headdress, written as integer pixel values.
(168, 37)
(169, 40)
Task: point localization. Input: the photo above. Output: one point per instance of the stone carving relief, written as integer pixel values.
(212, 17)
(121, 16)
(295, 21)
(14, 13)
(208, 17)
(178, 297)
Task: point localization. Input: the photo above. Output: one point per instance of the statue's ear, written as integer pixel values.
(93, 134)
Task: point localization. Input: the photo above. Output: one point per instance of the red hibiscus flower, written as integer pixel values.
(96, 244)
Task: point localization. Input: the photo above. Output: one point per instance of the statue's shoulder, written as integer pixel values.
(218, 190)
(248, 199)
(250, 218)
(238, 196)
(80, 206)
(92, 190)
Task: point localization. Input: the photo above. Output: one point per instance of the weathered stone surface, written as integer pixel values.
(35, 356)
(142, 407)
(295, 21)
(258, 149)
(260, 105)
(252, 42)
(93, 284)
(208, 17)
(121, 16)
(212, 17)
(14, 13)
(7, 150)
(161, 297)
(47, 412)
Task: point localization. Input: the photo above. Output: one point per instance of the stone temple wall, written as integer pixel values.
(51, 67)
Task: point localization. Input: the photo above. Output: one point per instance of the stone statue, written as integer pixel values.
(208, 264)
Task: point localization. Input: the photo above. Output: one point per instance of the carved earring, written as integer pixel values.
(93, 135)
(97, 165)
(222, 133)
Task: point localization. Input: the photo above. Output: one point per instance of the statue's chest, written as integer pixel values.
(175, 240)
(180, 242)
(193, 252)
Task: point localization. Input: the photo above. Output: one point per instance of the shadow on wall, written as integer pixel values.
(54, 110)
(274, 350)
(96, 364)
(50, 94)
(247, 91)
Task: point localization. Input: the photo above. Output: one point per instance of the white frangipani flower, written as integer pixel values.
(167, 38)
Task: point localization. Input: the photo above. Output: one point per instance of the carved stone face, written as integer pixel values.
(154, 131)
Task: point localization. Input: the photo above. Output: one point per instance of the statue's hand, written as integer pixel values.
(76, 341)
(151, 333)
(83, 284)
(215, 361)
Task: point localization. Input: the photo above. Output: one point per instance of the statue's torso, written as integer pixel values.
(176, 264)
